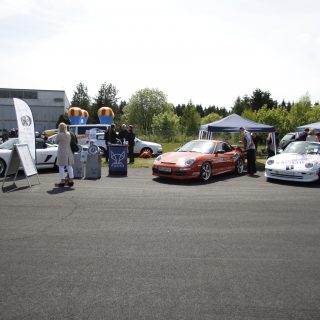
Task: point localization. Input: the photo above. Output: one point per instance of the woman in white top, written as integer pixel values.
(65, 156)
(312, 136)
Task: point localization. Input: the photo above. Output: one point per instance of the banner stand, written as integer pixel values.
(20, 155)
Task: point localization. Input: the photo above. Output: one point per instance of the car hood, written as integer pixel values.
(293, 159)
(178, 157)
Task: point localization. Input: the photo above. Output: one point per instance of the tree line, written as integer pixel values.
(151, 114)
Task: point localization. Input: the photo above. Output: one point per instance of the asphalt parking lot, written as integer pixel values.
(139, 247)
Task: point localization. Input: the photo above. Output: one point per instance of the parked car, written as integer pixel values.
(48, 133)
(46, 154)
(139, 147)
(199, 159)
(300, 161)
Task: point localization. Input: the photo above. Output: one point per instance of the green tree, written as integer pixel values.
(179, 109)
(107, 97)
(143, 106)
(277, 117)
(314, 114)
(222, 112)
(240, 105)
(166, 124)
(81, 98)
(63, 118)
(211, 117)
(190, 120)
(200, 110)
(261, 98)
(299, 112)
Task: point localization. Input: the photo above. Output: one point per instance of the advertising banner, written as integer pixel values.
(118, 159)
(25, 125)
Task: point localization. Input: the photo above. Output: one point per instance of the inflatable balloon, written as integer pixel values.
(85, 116)
(105, 115)
(75, 115)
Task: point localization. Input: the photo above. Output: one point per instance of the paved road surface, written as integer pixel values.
(138, 247)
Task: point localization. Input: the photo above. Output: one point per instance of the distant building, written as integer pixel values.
(46, 107)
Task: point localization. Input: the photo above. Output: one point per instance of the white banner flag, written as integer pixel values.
(25, 125)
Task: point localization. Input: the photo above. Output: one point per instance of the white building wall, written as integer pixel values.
(46, 108)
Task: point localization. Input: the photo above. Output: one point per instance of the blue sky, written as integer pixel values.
(207, 51)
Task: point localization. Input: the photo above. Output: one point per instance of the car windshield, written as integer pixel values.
(303, 147)
(198, 146)
(9, 144)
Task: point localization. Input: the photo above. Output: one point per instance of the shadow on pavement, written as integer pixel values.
(58, 190)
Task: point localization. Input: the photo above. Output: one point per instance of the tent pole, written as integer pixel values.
(274, 142)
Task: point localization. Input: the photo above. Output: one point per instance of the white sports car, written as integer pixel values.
(46, 154)
(300, 161)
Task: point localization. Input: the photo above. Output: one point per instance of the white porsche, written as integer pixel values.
(46, 154)
(300, 161)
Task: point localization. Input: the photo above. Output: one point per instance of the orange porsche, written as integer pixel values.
(199, 159)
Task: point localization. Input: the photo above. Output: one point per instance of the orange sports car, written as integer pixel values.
(199, 159)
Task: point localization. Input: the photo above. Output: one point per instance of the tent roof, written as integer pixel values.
(314, 125)
(233, 123)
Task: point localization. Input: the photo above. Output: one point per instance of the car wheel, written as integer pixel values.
(205, 171)
(146, 149)
(239, 166)
(3, 167)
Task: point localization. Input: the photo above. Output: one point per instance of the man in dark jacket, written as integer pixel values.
(123, 133)
(130, 138)
(111, 137)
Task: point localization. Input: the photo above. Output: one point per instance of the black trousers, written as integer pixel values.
(251, 161)
(131, 154)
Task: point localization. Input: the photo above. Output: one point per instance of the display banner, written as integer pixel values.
(25, 126)
(118, 159)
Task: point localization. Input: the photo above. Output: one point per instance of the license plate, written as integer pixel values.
(164, 169)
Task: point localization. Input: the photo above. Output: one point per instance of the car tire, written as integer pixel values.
(3, 167)
(239, 166)
(205, 171)
(146, 149)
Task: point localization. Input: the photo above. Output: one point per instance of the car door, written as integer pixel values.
(43, 155)
(138, 145)
(223, 160)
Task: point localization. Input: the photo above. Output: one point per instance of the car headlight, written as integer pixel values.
(309, 165)
(158, 158)
(189, 162)
(270, 162)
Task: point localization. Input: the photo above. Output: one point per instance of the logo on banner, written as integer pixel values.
(26, 121)
(118, 159)
(25, 125)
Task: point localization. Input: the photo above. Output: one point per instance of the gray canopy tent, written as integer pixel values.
(233, 123)
(314, 125)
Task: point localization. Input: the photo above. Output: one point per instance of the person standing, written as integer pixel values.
(312, 136)
(270, 145)
(303, 136)
(111, 137)
(65, 156)
(123, 133)
(130, 138)
(251, 151)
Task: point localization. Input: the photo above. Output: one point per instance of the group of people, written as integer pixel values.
(251, 140)
(309, 134)
(124, 136)
(65, 157)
